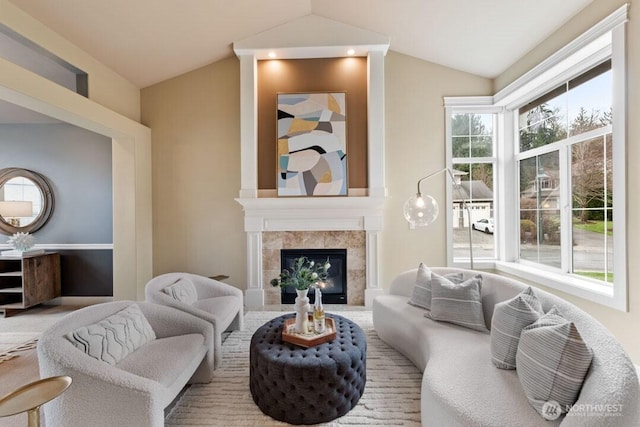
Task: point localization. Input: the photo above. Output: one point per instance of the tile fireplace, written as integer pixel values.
(353, 241)
(270, 222)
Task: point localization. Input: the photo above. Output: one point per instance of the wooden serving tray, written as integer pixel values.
(310, 339)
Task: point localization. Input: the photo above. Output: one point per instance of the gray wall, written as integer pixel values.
(77, 164)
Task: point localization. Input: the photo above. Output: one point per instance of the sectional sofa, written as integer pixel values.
(462, 387)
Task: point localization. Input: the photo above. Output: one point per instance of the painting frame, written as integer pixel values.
(311, 144)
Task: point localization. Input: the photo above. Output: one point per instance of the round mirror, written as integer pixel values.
(26, 201)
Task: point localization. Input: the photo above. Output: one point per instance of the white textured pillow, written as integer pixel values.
(459, 303)
(552, 362)
(421, 296)
(509, 318)
(114, 337)
(183, 290)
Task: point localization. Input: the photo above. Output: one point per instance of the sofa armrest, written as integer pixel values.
(170, 322)
(403, 283)
(209, 288)
(102, 393)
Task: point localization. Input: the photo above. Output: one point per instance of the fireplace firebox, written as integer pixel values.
(334, 289)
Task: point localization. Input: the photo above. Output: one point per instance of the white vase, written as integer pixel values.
(302, 308)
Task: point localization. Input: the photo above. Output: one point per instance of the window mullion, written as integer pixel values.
(508, 210)
(566, 226)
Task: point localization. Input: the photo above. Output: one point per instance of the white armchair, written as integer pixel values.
(218, 303)
(136, 390)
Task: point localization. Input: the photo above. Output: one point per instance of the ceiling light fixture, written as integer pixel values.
(272, 55)
(351, 52)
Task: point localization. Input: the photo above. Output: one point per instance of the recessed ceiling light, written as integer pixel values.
(351, 52)
(272, 55)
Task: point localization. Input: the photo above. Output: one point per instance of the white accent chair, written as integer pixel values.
(135, 391)
(218, 303)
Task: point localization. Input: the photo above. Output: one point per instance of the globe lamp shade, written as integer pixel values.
(421, 210)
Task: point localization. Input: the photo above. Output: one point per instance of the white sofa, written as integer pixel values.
(462, 387)
(218, 303)
(137, 389)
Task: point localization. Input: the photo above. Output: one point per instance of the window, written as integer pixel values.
(472, 137)
(552, 160)
(27, 54)
(572, 121)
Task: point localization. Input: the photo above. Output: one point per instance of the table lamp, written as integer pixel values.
(13, 210)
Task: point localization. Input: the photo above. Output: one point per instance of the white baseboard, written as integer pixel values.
(82, 301)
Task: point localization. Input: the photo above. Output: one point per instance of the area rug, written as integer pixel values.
(12, 343)
(391, 396)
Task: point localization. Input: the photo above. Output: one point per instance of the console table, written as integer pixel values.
(28, 281)
(307, 385)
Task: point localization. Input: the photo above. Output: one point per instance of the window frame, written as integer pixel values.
(471, 105)
(605, 40)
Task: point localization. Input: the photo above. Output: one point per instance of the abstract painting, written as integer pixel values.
(312, 144)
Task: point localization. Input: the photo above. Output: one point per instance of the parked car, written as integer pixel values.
(484, 224)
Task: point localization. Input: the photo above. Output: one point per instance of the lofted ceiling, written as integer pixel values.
(148, 41)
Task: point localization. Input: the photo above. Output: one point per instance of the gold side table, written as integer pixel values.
(31, 396)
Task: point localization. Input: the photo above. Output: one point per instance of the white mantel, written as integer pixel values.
(311, 214)
(311, 37)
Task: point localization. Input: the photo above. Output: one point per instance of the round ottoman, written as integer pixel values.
(307, 385)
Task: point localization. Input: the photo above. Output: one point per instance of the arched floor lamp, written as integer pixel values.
(422, 210)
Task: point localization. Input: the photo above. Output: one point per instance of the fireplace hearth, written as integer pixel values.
(334, 289)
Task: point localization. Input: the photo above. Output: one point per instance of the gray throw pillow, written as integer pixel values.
(183, 290)
(552, 362)
(421, 296)
(115, 337)
(458, 303)
(509, 318)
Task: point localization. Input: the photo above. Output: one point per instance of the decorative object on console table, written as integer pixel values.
(422, 210)
(22, 246)
(312, 144)
(29, 280)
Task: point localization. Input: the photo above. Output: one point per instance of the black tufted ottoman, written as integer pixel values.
(307, 385)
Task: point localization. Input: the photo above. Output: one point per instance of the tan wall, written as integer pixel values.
(415, 147)
(112, 110)
(197, 225)
(105, 86)
(623, 325)
(313, 75)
